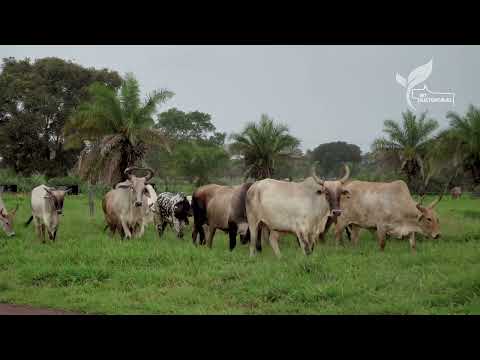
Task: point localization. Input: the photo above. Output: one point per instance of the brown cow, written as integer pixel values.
(220, 207)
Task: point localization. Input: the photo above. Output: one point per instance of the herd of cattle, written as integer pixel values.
(255, 211)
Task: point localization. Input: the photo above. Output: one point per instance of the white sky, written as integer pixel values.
(324, 93)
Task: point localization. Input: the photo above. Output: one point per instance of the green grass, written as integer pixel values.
(87, 271)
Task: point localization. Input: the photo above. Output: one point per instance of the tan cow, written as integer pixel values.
(6, 219)
(220, 207)
(387, 209)
(125, 206)
(300, 208)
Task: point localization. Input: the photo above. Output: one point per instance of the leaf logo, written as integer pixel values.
(417, 76)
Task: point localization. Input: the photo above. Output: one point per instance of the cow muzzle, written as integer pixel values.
(436, 236)
(138, 203)
(336, 212)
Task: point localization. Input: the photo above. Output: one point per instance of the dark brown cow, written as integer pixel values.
(220, 207)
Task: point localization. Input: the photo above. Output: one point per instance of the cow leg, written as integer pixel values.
(264, 236)
(355, 234)
(254, 235)
(211, 234)
(54, 235)
(161, 228)
(38, 229)
(232, 234)
(381, 238)
(274, 235)
(43, 230)
(413, 243)
(126, 230)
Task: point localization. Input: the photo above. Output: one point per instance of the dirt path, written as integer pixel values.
(7, 309)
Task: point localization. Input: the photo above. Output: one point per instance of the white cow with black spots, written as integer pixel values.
(173, 209)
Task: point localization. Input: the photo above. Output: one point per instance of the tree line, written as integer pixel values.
(59, 118)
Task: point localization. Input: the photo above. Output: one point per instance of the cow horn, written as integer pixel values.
(149, 175)
(315, 177)
(129, 170)
(347, 174)
(435, 202)
(16, 208)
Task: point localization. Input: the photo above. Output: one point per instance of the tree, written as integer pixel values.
(262, 145)
(36, 99)
(407, 144)
(117, 128)
(190, 126)
(201, 162)
(331, 155)
(461, 142)
(197, 152)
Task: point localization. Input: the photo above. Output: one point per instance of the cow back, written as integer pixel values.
(238, 212)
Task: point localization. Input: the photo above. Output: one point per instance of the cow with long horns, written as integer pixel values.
(124, 206)
(300, 208)
(387, 209)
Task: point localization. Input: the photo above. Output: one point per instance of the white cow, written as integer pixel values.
(47, 206)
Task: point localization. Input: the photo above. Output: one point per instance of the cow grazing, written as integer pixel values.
(47, 206)
(388, 209)
(300, 208)
(6, 219)
(456, 192)
(125, 206)
(171, 209)
(220, 207)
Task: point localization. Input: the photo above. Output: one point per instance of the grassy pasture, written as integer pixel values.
(87, 271)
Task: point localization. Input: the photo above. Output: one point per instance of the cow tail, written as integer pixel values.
(199, 217)
(29, 221)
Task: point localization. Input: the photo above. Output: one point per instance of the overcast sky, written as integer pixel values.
(323, 93)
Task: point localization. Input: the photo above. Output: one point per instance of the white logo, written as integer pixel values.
(422, 95)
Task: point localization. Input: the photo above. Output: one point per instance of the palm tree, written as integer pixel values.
(461, 142)
(407, 144)
(261, 145)
(115, 129)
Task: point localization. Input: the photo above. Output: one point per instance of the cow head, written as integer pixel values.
(181, 211)
(56, 197)
(333, 191)
(428, 219)
(6, 221)
(136, 185)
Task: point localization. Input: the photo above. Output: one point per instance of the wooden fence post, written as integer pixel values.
(91, 202)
